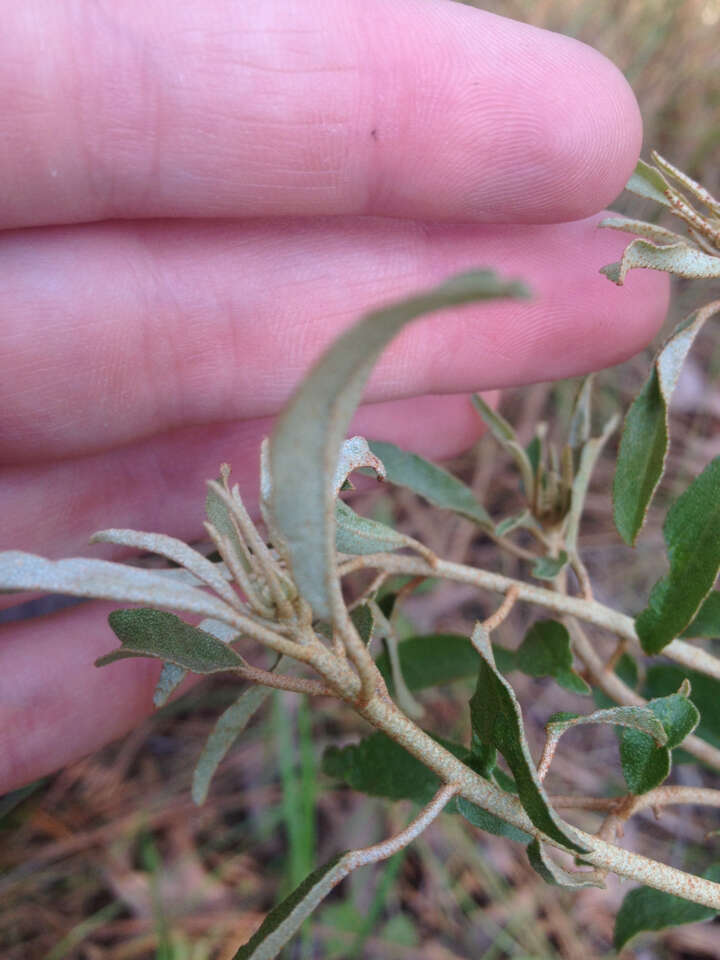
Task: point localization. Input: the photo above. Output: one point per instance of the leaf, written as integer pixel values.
(230, 724)
(488, 822)
(645, 764)
(636, 718)
(355, 534)
(591, 450)
(507, 438)
(519, 520)
(218, 514)
(354, 454)
(81, 577)
(432, 660)
(648, 182)
(679, 258)
(287, 917)
(580, 421)
(707, 619)
(547, 568)
(497, 722)
(692, 536)
(692, 186)
(545, 652)
(380, 767)
(171, 676)
(430, 481)
(362, 619)
(308, 434)
(644, 441)
(175, 550)
(663, 679)
(647, 909)
(155, 633)
(651, 231)
(553, 873)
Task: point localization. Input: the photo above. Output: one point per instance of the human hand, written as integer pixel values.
(197, 198)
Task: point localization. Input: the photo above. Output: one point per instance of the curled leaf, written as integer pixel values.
(679, 258)
(553, 873)
(307, 437)
(644, 441)
(692, 536)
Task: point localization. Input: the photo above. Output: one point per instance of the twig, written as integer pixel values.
(283, 682)
(502, 612)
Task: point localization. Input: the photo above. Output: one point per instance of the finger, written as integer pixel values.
(158, 485)
(55, 705)
(203, 109)
(115, 332)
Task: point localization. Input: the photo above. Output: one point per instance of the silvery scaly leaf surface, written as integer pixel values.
(308, 435)
(103, 579)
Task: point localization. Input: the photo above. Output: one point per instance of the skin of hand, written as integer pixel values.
(197, 198)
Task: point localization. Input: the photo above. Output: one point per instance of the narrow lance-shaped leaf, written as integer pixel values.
(591, 450)
(355, 534)
(553, 873)
(545, 652)
(155, 633)
(580, 421)
(230, 724)
(646, 909)
(679, 258)
(651, 231)
(283, 922)
(645, 764)
(103, 579)
(644, 442)
(175, 550)
(507, 438)
(648, 182)
(484, 820)
(308, 434)
(497, 722)
(430, 481)
(692, 186)
(692, 536)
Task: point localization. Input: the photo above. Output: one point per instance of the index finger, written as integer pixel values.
(407, 108)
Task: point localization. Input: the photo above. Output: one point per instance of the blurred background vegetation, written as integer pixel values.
(109, 859)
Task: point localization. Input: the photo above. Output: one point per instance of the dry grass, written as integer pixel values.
(109, 859)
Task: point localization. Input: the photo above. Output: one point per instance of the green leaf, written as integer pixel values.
(81, 577)
(647, 909)
(648, 182)
(644, 441)
(380, 767)
(430, 481)
(155, 633)
(218, 514)
(692, 186)
(545, 652)
(362, 619)
(591, 450)
(432, 660)
(707, 619)
(507, 438)
(287, 917)
(663, 678)
(580, 421)
(547, 568)
(645, 764)
(230, 724)
(497, 722)
(488, 822)
(636, 718)
(692, 535)
(308, 434)
(519, 520)
(679, 258)
(356, 534)
(552, 872)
